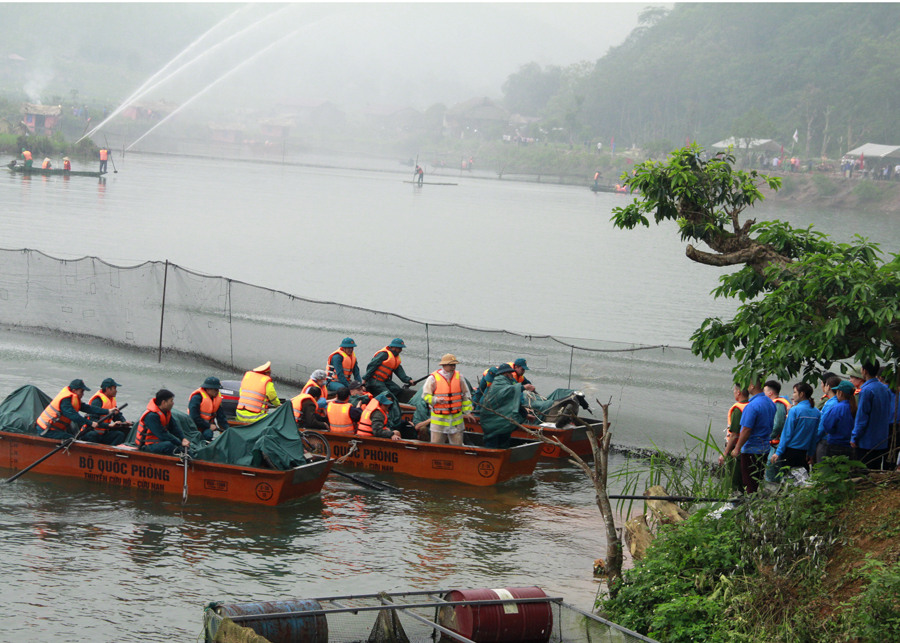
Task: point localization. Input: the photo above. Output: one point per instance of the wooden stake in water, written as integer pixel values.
(162, 315)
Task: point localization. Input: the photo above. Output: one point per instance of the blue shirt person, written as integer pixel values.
(800, 429)
(873, 418)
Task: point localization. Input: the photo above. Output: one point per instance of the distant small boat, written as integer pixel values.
(430, 183)
(610, 188)
(52, 172)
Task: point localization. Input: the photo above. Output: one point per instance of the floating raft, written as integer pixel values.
(430, 183)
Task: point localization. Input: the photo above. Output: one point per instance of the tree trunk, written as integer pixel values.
(825, 133)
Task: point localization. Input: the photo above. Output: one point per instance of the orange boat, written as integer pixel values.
(161, 474)
(470, 465)
(574, 437)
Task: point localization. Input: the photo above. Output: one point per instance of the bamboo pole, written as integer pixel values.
(162, 314)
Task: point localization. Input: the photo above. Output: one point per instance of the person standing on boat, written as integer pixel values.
(205, 408)
(107, 432)
(29, 161)
(596, 180)
(156, 432)
(257, 394)
(373, 422)
(447, 394)
(67, 164)
(57, 419)
(519, 366)
(306, 410)
(46, 165)
(342, 367)
(503, 400)
(104, 157)
(384, 365)
(419, 174)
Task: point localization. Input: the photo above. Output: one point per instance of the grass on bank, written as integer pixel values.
(817, 564)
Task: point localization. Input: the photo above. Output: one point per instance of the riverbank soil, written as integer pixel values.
(831, 190)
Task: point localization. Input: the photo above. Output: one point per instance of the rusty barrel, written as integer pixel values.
(284, 629)
(501, 623)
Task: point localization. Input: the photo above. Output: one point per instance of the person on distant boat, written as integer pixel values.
(419, 174)
(67, 164)
(374, 419)
(107, 432)
(29, 161)
(384, 365)
(342, 415)
(342, 368)
(156, 432)
(205, 408)
(596, 179)
(306, 410)
(447, 393)
(57, 419)
(257, 394)
(104, 157)
(46, 165)
(319, 380)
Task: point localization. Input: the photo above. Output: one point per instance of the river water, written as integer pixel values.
(86, 563)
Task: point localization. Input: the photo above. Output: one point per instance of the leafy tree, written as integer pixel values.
(530, 89)
(807, 301)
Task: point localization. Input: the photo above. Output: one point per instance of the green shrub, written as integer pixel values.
(869, 191)
(824, 185)
(876, 614)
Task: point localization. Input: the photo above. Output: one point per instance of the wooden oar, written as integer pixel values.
(414, 382)
(370, 484)
(62, 445)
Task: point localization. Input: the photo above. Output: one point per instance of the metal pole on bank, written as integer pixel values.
(571, 359)
(427, 350)
(162, 315)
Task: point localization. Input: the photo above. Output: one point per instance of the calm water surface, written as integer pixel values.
(85, 563)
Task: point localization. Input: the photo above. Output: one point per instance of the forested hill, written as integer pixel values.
(708, 71)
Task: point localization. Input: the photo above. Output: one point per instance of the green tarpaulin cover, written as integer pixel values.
(503, 398)
(540, 407)
(270, 443)
(20, 410)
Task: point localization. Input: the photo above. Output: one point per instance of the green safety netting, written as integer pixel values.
(272, 442)
(21, 408)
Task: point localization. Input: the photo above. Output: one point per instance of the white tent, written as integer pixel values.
(876, 151)
(756, 144)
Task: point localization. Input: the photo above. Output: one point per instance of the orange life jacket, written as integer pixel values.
(297, 404)
(46, 164)
(209, 406)
(26, 155)
(253, 392)
(365, 422)
(144, 435)
(387, 367)
(596, 176)
(103, 154)
(736, 405)
(339, 417)
(323, 394)
(448, 396)
(106, 403)
(516, 376)
(52, 419)
(348, 365)
(67, 165)
(783, 402)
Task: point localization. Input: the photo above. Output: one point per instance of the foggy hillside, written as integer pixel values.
(353, 55)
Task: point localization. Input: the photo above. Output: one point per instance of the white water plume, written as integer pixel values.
(224, 76)
(147, 87)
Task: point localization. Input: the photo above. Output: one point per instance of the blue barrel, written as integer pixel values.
(284, 629)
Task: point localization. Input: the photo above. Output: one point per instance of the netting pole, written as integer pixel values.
(571, 359)
(427, 351)
(162, 315)
(230, 327)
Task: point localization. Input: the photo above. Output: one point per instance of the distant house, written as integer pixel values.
(312, 113)
(478, 117)
(227, 132)
(393, 117)
(149, 110)
(275, 127)
(756, 144)
(40, 119)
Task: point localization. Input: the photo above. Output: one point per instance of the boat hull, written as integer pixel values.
(161, 474)
(576, 438)
(53, 172)
(470, 465)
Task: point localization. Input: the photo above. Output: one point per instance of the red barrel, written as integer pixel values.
(502, 623)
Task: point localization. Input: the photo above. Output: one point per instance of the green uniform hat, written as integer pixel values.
(211, 382)
(385, 399)
(397, 343)
(108, 382)
(503, 369)
(854, 371)
(845, 386)
(521, 362)
(74, 384)
(348, 342)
